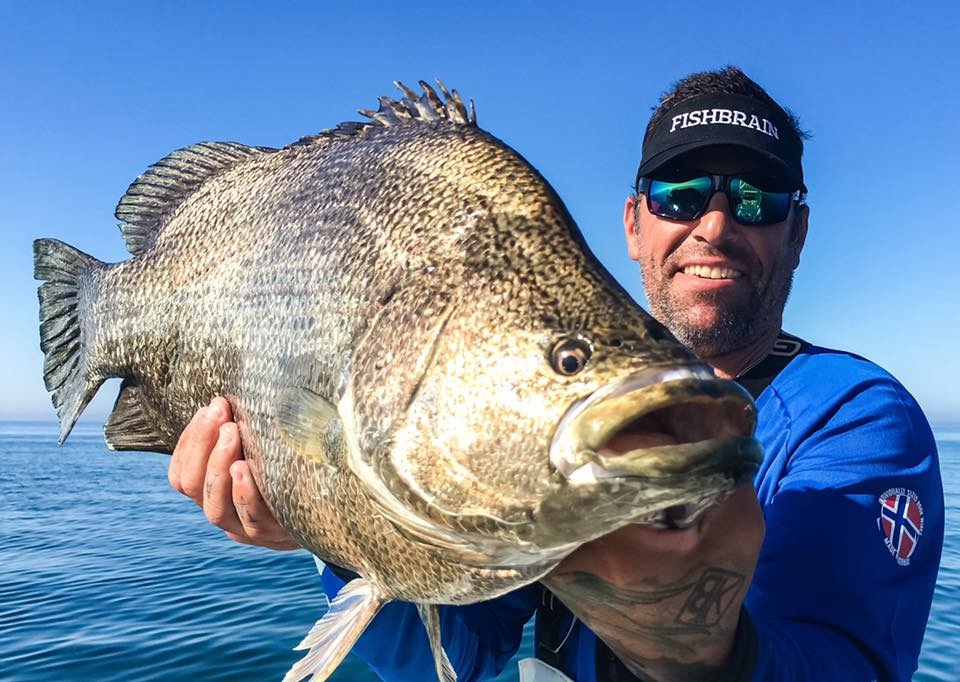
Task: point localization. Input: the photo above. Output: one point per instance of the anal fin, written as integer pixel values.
(131, 427)
(331, 639)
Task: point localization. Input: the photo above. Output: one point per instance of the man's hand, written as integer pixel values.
(208, 467)
(667, 602)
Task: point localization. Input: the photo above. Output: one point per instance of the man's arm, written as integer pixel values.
(208, 467)
(667, 602)
(834, 595)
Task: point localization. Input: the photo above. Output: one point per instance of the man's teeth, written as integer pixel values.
(711, 273)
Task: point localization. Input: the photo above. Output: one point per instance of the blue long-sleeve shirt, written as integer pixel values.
(853, 503)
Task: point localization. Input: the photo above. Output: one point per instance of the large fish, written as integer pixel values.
(437, 385)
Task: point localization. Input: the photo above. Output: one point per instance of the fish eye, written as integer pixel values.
(570, 356)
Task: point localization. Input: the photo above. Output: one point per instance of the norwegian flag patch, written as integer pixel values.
(901, 522)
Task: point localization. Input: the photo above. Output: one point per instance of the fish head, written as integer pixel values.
(657, 445)
(538, 406)
(528, 435)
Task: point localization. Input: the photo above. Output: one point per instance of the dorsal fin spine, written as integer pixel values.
(411, 109)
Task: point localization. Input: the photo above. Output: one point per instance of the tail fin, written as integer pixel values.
(63, 302)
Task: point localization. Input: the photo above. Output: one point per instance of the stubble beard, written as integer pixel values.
(736, 326)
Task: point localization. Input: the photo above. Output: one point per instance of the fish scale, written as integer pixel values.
(381, 305)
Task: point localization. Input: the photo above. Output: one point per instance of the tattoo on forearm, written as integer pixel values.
(711, 597)
(692, 606)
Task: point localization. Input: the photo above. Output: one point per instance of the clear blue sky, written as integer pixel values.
(92, 93)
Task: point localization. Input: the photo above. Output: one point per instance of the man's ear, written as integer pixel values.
(631, 230)
(800, 233)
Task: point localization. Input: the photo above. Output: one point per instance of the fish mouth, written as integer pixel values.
(680, 435)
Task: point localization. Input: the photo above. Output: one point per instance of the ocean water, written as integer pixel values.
(107, 574)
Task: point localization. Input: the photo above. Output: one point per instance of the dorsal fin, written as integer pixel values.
(165, 185)
(411, 108)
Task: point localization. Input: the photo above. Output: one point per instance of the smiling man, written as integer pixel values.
(849, 492)
(724, 219)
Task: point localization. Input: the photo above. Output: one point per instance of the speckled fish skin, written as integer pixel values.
(414, 275)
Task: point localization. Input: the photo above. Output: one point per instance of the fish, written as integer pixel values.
(436, 383)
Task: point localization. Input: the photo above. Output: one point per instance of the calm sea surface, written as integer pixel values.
(106, 574)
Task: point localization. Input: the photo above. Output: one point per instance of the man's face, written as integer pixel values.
(716, 284)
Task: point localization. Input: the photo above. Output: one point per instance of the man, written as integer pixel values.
(849, 490)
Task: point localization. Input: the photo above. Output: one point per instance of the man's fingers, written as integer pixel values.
(259, 525)
(196, 444)
(183, 445)
(208, 466)
(252, 510)
(218, 486)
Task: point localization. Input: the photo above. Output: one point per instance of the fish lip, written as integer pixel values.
(590, 422)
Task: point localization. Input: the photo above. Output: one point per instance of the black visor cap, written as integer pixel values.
(725, 135)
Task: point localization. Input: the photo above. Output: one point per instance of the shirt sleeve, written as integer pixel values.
(854, 532)
(479, 638)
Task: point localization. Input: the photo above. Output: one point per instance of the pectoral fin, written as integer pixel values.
(331, 639)
(311, 426)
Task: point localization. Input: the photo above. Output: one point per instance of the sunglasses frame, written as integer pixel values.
(718, 183)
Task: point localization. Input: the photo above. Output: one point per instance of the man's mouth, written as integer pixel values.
(708, 272)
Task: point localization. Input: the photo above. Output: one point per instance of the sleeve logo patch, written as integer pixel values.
(901, 522)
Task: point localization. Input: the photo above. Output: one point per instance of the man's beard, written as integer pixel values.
(736, 327)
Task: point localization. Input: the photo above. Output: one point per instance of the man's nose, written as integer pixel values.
(716, 225)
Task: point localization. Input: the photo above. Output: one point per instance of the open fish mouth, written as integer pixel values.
(662, 429)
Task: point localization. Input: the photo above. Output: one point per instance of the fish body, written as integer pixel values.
(429, 369)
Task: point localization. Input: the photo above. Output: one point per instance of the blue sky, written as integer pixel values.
(93, 93)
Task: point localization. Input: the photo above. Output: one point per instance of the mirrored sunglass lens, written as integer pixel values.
(679, 200)
(752, 206)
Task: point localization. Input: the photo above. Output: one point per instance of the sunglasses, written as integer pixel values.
(688, 199)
